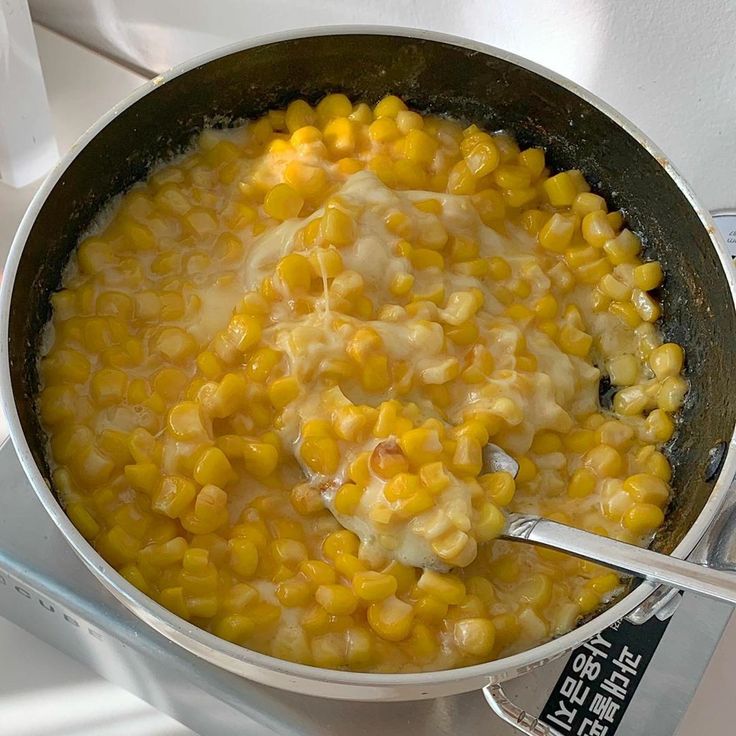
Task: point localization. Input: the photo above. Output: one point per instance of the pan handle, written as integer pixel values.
(515, 716)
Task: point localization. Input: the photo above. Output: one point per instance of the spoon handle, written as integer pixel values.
(627, 558)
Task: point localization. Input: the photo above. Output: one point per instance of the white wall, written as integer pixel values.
(668, 65)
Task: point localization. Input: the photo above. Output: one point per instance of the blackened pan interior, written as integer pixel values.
(433, 77)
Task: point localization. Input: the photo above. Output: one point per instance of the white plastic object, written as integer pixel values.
(27, 144)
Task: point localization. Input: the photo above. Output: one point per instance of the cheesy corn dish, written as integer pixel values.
(323, 316)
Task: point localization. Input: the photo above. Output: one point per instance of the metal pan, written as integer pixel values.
(434, 73)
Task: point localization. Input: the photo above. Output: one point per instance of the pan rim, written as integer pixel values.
(244, 661)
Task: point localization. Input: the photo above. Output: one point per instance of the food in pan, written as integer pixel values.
(344, 304)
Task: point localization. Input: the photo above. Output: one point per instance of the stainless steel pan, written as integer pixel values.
(433, 73)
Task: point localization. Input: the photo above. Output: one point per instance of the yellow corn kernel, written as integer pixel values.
(616, 220)
(604, 461)
(490, 522)
(107, 387)
(283, 202)
(235, 627)
(401, 284)
(337, 227)
(616, 434)
(646, 307)
(483, 158)
(468, 457)
(293, 592)
(433, 477)
(499, 487)
(419, 146)
(624, 248)
(625, 312)
(431, 610)
(533, 159)
(561, 189)
(326, 263)
(298, 114)
(283, 391)
(416, 504)
(654, 462)
(582, 483)
(84, 521)
(647, 488)
(174, 495)
(333, 106)
(317, 572)
(574, 341)
(461, 179)
(666, 360)
(671, 393)
(244, 331)
(401, 487)
(391, 618)
(341, 542)
(510, 176)
(243, 557)
(306, 500)
(423, 258)
(228, 396)
(305, 136)
(475, 636)
(614, 288)
(623, 370)
(586, 202)
(309, 182)
(407, 120)
(383, 130)
(446, 587)
(347, 498)
(352, 423)
(289, 552)
(359, 471)
(648, 276)
(421, 446)
(659, 426)
(336, 599)
(578, 256)
(143, 477)
(579, 440)
(262, 362)
(373, 586)
(390, 106)
(260, 458)
(294, 271)
(213, 468)
(596, 229)
(65, 366)
(499, 268)
(557, 233)
(591, 273)
(546, 442)
(173, 599)
(185, 421)
(643, 518)
(348, 565)
(339, 136)
(630, 401)
(387, 460)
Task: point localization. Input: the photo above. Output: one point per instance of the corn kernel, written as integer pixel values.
(391, 618)
(666, 360)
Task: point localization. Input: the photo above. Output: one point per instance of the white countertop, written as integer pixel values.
(82, 85)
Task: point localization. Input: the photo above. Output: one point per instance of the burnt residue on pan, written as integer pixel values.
(444, 79)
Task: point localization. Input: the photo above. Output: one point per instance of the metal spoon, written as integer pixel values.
(626, 558)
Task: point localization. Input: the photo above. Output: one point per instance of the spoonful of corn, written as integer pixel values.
(440, 533)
